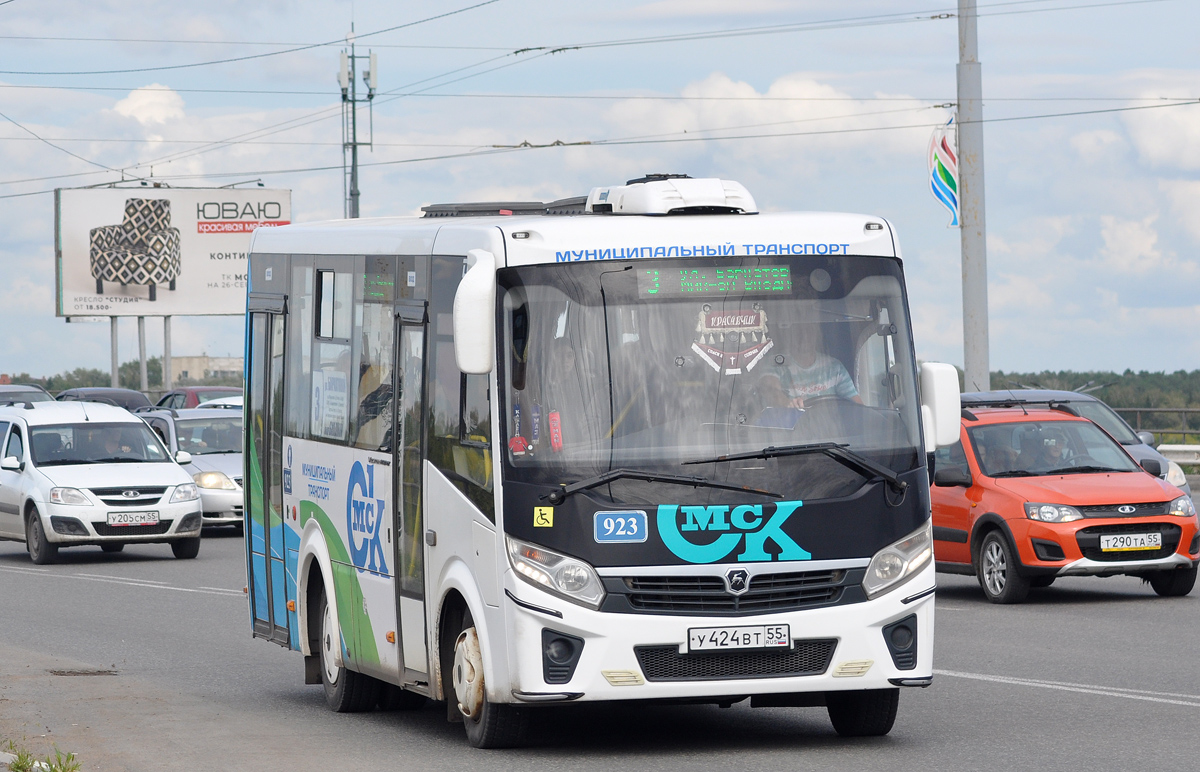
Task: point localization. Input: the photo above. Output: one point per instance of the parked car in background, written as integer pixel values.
(193, 396)
(126, 398)
(1137, 444)
(1032, 492)
(225, 402)
(21, 392)
(82, 473)
(213, 440)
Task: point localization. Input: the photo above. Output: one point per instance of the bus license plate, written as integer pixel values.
(1124, 542)
(726, 638)
(132, 518)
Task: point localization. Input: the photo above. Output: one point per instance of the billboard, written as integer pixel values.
(158, 251)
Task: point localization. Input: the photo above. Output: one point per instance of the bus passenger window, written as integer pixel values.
(375, 399)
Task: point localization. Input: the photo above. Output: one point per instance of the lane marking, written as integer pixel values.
(114, 580)
(122, 578)
(225, 590)
(1168, 698)
(940, 607)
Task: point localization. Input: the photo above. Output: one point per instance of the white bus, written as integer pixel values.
(644, 445)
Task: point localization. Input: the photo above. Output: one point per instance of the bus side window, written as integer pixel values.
(460, 426)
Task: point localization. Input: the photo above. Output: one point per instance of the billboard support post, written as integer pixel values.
(113, 346)
(166, 360)
(145, 385)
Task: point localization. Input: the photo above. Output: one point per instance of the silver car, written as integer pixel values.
(213, 438)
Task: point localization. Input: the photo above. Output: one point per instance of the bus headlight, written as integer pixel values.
(900, 561)
(558, 574)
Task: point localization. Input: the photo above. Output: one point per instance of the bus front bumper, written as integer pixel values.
(851, 646)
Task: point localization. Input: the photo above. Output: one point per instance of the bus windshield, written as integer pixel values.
(660, 362)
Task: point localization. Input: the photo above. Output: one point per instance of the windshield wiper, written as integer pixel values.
(558, 496)
(1015, 473)
(839, 452)
(115, 460)
(1083, 469)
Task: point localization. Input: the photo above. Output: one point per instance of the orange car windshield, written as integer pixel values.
(1035, 448)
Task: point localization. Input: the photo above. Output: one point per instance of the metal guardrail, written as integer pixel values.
(1181, 454)
(1181, 427)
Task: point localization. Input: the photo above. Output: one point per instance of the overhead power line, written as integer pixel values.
(930, 14)
(249, 57)
(595, 97)
(619, 141)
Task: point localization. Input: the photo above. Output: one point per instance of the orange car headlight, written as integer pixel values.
(1052, 513)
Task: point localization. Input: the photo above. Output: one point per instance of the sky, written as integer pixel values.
(1092, 153)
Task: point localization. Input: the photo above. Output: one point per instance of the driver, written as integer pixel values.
(809, 374)
(1049, 452)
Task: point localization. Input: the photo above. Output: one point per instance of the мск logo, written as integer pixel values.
(364, 519)
(746, 521)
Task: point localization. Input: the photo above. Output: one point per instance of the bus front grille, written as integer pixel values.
(665, 663)
(707, 595)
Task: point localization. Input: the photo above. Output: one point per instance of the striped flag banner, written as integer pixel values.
(943, 169)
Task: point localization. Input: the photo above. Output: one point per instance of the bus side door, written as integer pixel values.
(269, 585)
(410, 452)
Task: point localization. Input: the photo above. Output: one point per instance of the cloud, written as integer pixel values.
(1098, 145)
(151, 105)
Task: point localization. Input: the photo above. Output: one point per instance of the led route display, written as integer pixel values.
(713, 281)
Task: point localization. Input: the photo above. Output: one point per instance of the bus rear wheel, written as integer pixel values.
(345, 690)
(488, 725)
(867, 713)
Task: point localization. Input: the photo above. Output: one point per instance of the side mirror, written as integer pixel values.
(11, 463)
(941, 405)
(475, 315)
(1152, 466)
(952, 477)
(183, 458)
(1146, 437)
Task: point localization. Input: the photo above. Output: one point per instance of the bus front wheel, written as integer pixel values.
(345, 690)
(488, 725)
(867, 713)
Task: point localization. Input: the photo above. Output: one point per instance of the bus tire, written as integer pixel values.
(41, 550)
(392, 697)
(345, 690)
(867, 713)
(488, 725)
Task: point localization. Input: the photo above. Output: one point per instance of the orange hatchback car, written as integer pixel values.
(1033, 492)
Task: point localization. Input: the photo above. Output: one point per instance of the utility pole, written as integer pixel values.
(971, 213)
(350, 100)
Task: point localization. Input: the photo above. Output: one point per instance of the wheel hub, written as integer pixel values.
(467, 675)
(328, 660)
(995, 568)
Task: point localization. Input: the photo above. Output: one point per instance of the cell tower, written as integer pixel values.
(350, 101)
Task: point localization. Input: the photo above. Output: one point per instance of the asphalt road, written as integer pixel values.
(156, 670)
